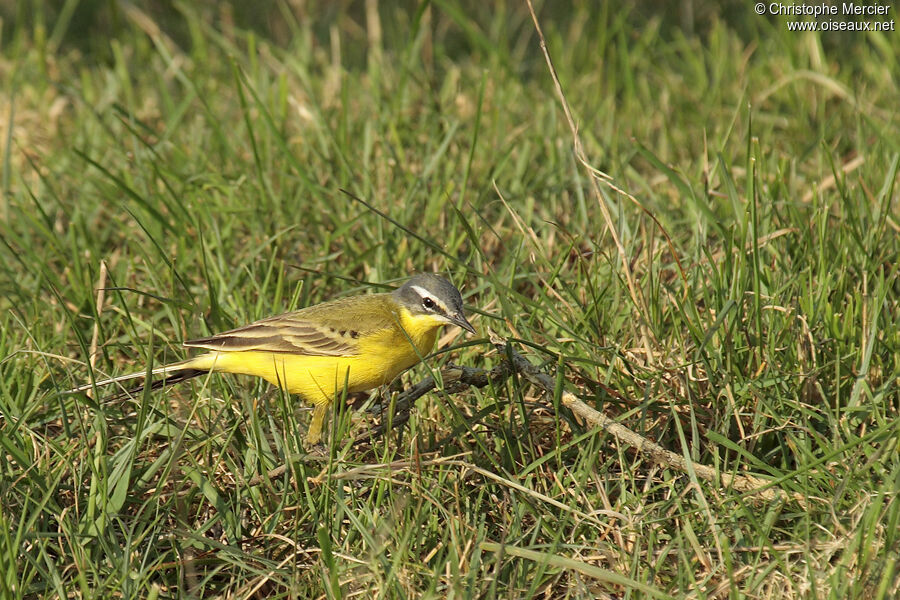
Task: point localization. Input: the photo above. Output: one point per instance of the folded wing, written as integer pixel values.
(284, 333)
(330, 329)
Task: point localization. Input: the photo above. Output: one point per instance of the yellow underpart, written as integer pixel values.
(382, 356)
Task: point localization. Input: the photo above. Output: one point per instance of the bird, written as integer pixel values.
(355, 344)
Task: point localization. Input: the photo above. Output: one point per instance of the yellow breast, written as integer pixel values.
(382, 355)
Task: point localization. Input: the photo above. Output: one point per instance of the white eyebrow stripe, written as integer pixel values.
(423, 293)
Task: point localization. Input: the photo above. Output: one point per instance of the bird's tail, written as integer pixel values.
(159, 377)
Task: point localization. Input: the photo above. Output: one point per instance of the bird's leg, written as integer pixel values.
(314, 435)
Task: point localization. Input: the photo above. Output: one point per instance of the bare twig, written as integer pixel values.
(760, 488)
(455, 378)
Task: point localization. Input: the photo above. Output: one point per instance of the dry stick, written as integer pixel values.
(741, 483)
(635, 292)
(456, 379)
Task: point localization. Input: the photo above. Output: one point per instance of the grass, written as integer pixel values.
(199, 153)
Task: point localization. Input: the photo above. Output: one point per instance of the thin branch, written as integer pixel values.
(456, 379)
(760, 488)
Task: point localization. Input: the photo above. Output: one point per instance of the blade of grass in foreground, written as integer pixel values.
(584, 568)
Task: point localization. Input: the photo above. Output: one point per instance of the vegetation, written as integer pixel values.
(175, 169)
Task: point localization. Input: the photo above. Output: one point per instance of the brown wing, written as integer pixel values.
(288, 333)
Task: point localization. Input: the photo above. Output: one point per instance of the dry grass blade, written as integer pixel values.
(633, 289)
(101, 299)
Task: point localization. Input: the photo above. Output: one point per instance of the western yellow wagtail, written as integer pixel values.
(353, 343)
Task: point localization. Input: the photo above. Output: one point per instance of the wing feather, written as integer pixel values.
(330, 329)
(283, 334)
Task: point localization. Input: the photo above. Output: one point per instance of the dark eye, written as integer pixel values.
(428, 303)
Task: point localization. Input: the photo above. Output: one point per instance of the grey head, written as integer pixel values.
(429, 294)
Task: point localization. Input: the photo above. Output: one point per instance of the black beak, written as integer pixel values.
(460, 319)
